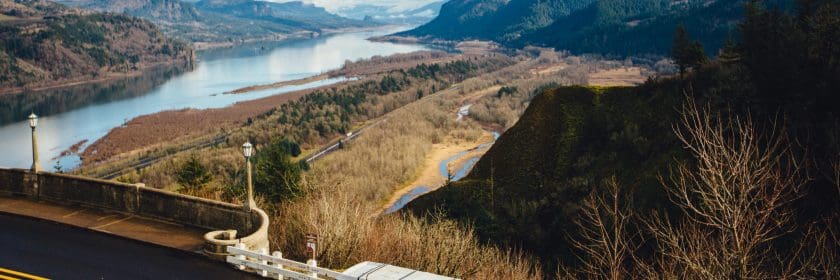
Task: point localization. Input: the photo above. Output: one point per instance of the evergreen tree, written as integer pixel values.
(276, 175)
(193, 175)
(686, 53)
(729, 53)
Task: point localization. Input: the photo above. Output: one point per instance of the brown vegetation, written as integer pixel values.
(737, 199)
(346, 195)
(345, 192)
(48, 45)
(630, 76)
(171, 126)
(166, 127)
(606, 240)
(379, 64)
(280, 84)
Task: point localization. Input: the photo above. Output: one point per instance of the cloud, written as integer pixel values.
(337, 5)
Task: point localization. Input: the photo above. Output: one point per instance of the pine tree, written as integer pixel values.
(193, 175)
(276, 175)
(685, 52)
(729, 53)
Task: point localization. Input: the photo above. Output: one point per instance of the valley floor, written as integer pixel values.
(408, 153)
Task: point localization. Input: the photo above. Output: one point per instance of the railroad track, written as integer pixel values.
(145, 162)
(334, 147)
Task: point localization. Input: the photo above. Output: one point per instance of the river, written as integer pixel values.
(71, 115)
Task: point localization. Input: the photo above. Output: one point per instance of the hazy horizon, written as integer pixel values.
(339, 5)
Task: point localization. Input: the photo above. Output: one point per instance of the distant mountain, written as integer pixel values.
(386, 14)
(295, 13)
(227, 20)
(43, 43)
(620, 27)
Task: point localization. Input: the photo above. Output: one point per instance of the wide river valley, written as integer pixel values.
(85, 113)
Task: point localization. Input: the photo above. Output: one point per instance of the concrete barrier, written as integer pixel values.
(89, 192)
(194, 211)
(145, 202)
(218, 241)
(15, 181)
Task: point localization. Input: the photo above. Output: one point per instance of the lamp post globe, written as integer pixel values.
(33, 120)
(36, 164)
(248, 151)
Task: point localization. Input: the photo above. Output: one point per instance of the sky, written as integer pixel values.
(337, 5)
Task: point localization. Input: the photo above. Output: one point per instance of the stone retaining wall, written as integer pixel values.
(139, 200)
(14, 181)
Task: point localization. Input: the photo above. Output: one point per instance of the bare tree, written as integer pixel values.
(735, 198)
(606, 242)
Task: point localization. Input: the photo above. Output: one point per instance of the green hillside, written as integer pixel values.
(526, 191)
(226, 20)
(495, 19)
(43, 43)
(617, 27)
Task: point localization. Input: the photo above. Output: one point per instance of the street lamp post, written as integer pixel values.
(36, 164)
(248, 151)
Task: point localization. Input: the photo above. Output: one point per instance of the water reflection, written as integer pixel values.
(16, 107)
(88, 114)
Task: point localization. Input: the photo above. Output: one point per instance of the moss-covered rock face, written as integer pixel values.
(43, 44)
(526, 190)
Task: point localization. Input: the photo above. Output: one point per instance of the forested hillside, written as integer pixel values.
(661, 170)
(617, 27)
(226, 20)
(43, 43)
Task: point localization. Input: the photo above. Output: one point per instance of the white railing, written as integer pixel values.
(275, 266)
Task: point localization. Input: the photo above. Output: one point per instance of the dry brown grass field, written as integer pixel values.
(347, 195)
(347, 190)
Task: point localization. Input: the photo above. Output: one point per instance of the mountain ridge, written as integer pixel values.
(611, 27)
(216, 21)
(46, 44)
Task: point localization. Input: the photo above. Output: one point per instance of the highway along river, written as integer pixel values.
(33, 249)
(86, 113)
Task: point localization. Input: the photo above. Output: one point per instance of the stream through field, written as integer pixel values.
(80, 115)
(444, 169)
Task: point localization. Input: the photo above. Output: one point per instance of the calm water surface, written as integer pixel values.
(68, 116)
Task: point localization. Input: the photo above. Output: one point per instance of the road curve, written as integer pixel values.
(58, 251)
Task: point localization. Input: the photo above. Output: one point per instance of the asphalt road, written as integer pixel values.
(57, 251)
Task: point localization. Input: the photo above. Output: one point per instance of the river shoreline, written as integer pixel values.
(205, 46)
(171, 125)
(297, 82)
(87, 80)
